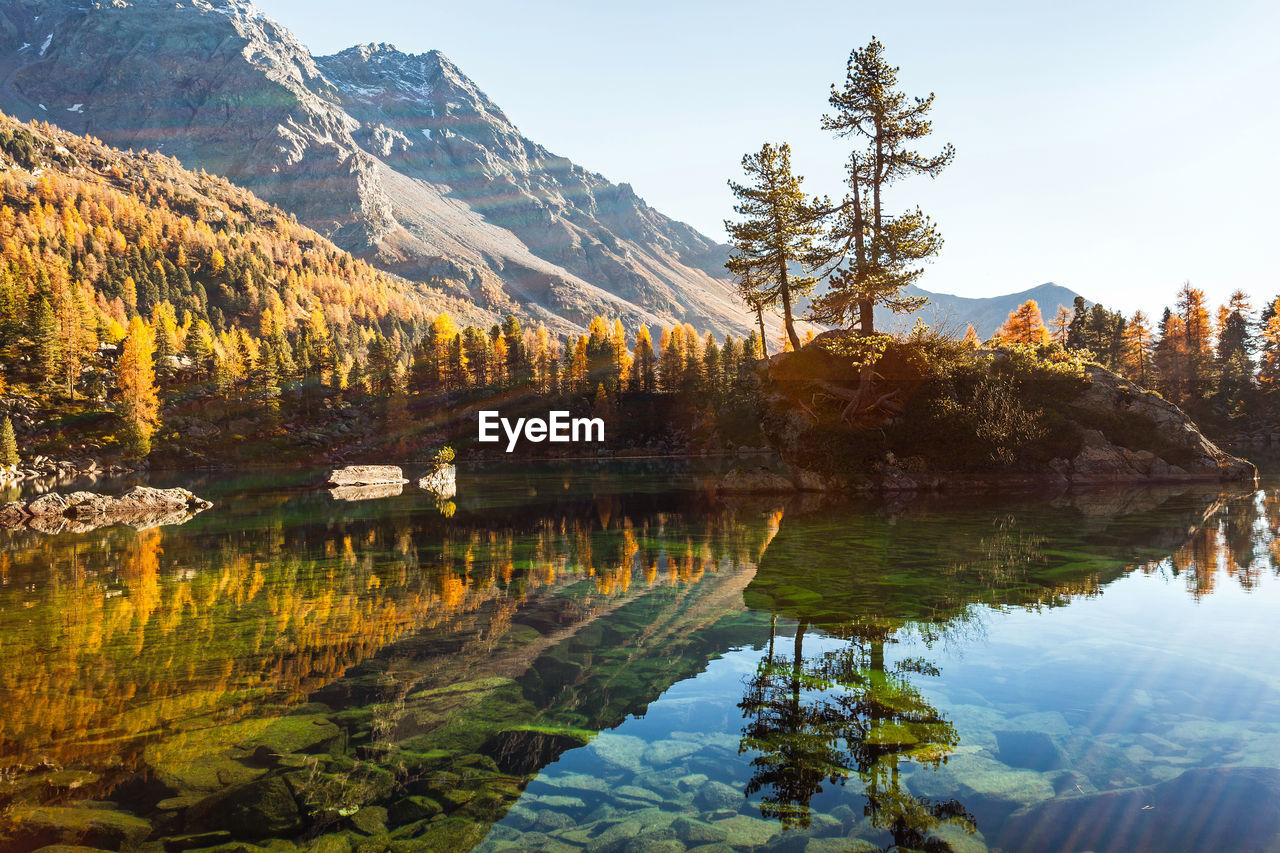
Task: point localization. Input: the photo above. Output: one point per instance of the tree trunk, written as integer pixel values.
(866, 317)
(764, 342)
(786, 317)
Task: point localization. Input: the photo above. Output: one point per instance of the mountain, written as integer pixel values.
(985, 314)
(103, 234)
(400, 159)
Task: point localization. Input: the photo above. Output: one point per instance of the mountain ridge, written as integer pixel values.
(985, 313)
(399, 158)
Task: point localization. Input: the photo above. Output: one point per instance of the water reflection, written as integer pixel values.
(506, 670)
(921, 574)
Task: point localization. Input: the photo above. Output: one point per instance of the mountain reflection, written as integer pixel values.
(113, 636)
(427, 663)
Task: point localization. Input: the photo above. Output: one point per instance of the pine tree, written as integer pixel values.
(877, 254)
(776, 235)
(1078, 329)
(139, 407)
(8, 444)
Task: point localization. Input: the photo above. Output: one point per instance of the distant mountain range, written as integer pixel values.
(985, 314)
(399, 158)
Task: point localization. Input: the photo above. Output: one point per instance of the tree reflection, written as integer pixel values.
(840, 714)
(857, 583)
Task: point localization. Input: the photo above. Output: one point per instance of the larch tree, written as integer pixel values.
(8, 444)
(1024, 326)
(1060, 326)
(139, 406)
(774, 244)
(873, 254)
(1197, 331)
(644, 366)
(1269, 368)
(1138, 344)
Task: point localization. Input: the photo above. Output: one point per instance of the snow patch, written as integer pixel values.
(77, 108)
(48, 40)
(426, 131)
(43, 107)
(25, 45)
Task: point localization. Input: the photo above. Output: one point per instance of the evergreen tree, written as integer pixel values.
(8, 444)
(877, 254)
(47, 344)
(1078, 329)
(776, 236)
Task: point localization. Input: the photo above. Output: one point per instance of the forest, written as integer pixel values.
(147, 311)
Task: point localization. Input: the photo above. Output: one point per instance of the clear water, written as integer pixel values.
(614, 659)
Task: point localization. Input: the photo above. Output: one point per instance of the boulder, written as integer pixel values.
(89, 827)
(140, 507)
(442, 481)
(367, 475)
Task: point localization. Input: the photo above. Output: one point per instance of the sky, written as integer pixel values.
(1116, 148)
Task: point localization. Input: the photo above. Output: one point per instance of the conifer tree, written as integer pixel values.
(1060, 326)
(644, 365)
(776, 236)
(139, 407)
(1078, 328)
(1024, 326)
(48, 347)
(8, 444)
(1138, 341)
(877, 254)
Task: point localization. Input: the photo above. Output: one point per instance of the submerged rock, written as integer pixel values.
(759, 480)
(367, 475)
(140, 507)
(89, 827)
(523, 751)
(1213, 808)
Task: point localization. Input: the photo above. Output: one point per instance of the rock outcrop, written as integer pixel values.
(140, 507)
(1102, 461)
(1119, 433)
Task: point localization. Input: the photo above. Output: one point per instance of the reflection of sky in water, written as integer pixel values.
(1139, 683)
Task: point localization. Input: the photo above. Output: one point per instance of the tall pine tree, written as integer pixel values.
(876, 254)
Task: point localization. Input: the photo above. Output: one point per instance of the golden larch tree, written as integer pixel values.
(1024, 326)
(139, 406)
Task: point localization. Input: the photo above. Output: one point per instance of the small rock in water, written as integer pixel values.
(367, 475)
(441, 482)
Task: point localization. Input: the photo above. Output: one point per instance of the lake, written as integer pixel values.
(608, 657)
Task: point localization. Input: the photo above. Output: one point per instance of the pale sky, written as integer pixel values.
(1115, 148)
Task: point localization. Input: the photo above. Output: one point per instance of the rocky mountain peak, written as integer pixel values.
(400, 158)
